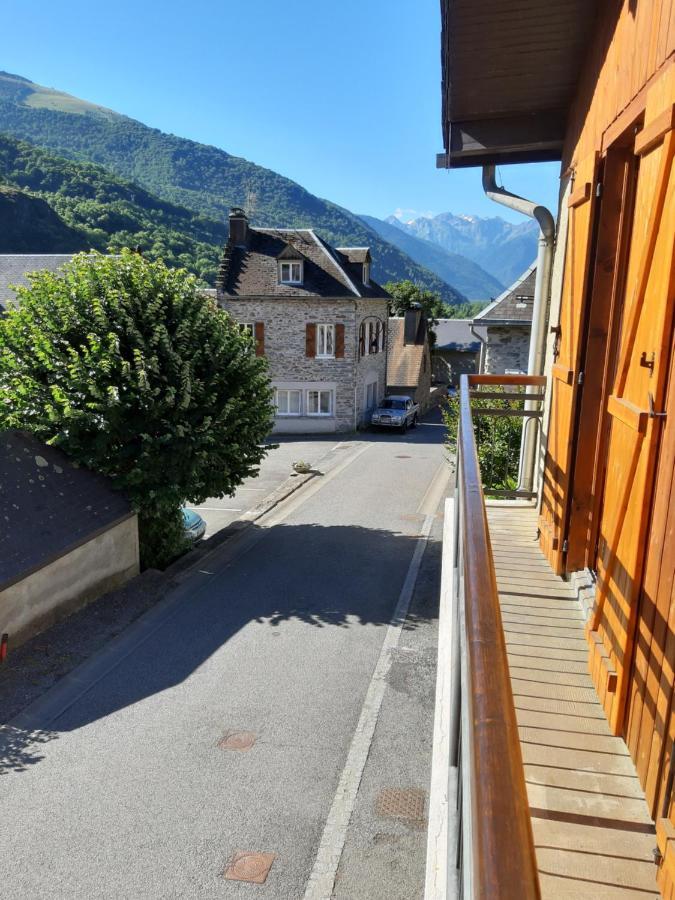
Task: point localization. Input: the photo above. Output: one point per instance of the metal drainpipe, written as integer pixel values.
(542, 284)
(481, 358)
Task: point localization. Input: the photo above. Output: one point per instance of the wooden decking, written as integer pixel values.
(592, 831)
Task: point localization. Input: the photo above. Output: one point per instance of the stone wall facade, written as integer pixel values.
(450, 364)
(285, 322)
(506, 349)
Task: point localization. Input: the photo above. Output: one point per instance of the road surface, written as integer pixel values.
(280, 702)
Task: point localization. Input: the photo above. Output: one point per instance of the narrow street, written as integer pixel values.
(279, 701)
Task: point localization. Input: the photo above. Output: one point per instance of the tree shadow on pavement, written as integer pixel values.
(323, 576)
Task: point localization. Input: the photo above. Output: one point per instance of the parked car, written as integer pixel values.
(396, 412)
(194, 527)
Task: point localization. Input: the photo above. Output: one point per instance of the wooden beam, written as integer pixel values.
(655, 132)
(581, 195)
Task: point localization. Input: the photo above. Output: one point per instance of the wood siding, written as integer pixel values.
(607, 495)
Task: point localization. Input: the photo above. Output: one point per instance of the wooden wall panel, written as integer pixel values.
(644, 352)
(564, 377)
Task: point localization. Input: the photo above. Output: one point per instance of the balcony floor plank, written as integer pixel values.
(593, 834)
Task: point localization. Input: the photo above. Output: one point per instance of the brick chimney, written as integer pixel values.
(238, 227)
(413, 325)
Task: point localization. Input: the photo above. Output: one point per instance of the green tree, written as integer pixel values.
(134, 373)
(405, 294)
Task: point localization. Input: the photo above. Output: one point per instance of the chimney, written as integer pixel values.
(412, 333)
(238, 227)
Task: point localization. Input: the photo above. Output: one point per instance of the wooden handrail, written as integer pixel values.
(504, 860)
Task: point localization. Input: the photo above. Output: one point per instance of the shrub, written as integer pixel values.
(134, 373)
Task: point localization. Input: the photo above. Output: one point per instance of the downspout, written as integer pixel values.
(542, 286)
(481, 352)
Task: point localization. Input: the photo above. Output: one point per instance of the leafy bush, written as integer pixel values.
(134, 373)
(498, 441)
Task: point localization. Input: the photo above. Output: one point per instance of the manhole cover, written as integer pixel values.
(397, 803)
(251, 867)
(237, 740)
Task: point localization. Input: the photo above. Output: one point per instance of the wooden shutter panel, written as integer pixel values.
(259, 338)
(310, 339)
(339, 341)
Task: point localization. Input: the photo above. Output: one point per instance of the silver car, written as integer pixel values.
(397, 411)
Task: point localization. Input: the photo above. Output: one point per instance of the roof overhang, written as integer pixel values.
(510, 73)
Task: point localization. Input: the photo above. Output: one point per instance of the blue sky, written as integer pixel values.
(342, 97)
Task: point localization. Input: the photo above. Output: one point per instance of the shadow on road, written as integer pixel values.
(323, 576)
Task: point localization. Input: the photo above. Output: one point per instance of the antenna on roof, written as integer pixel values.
(250, 203)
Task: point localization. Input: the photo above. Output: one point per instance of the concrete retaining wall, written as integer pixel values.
(53, 592)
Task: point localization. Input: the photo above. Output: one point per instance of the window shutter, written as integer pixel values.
(310, 339)
(259, 338)
(339, 341)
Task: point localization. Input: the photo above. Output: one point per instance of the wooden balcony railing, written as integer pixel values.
(495, 852)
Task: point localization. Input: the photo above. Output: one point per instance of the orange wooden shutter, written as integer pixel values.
(310, 339)
(639, 387)
(566, 367)
(339, 341)
(259, 338)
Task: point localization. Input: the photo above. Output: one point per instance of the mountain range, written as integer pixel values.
(502, 248)
(105, 180)
(195, 177)
(466, 275)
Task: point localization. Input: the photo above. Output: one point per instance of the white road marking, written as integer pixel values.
(322, 880)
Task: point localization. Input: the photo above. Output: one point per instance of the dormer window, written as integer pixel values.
(366, 273)
(290, 272)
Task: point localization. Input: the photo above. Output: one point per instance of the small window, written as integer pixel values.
(290, 272)
(366, 273)
(319, 403)
(288, 403)
(325, 336)
(246, 327)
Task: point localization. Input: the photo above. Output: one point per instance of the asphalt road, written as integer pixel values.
(218, 512)
(116, 784)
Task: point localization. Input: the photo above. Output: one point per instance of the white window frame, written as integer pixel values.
(366, 273)
(247, 327)
(288, 392)
(319, 392)
(323, 329)
(291, 264)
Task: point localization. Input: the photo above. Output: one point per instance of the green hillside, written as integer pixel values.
(30, 225)
(201, 178)
(109, 213)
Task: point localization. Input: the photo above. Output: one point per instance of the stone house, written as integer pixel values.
(504, 328)
(456, 351)
(316, 315)
(409, 361)
(66, 536)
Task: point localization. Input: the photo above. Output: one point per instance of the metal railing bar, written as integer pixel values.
(499, 856)
(518, 380)
(503, 395)
(513, 413)
(515, 494)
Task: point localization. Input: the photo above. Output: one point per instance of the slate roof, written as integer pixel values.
(404, 361)
(14, 266)
(48, 507)
(252, 271)
(515, 305)
(455, 334)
